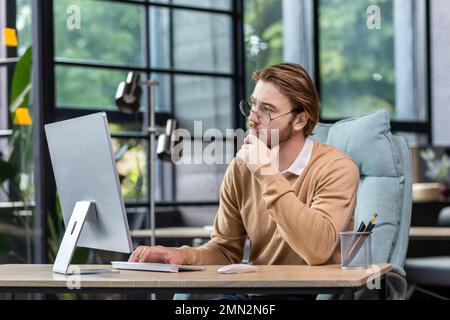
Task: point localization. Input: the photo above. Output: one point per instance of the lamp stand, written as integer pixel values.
(152, 130)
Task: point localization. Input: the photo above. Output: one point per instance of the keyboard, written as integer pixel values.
(157, 267)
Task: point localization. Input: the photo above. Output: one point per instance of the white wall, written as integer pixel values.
(298, 33)
(440, 71)
(406, 108)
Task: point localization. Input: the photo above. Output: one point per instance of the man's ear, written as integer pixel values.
(301, 121)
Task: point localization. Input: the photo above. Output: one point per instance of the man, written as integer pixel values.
(293, 209)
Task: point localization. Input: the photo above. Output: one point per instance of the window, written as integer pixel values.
(3, 91)
(3, 121)
(188, 46)
(23, 24)
(16, 155)
(3, 101)
(108, 33)
(206, 35)
(86, 87)
(202, 180)
(206, 4)
(16, 15)
(356, 63)
(364, 55)
(368, 59)
(263, 29)
(203, 98)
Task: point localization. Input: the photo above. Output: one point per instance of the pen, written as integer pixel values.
(362, 226)
(359, 239)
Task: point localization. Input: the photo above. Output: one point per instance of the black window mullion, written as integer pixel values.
(171, 54)
(43, 113)
(99, 65)
(11, 52)
(147, 38)
(429, 69)
(172, 61)
(239, 62)
(170, 5)
(172, 92)
(316, 27)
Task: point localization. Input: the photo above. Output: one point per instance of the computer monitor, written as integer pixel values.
(88, 186)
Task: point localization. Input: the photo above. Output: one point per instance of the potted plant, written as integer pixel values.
(438, 169)
(16, 168)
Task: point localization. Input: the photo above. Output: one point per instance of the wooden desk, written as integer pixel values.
(268, 280)
(173, 233)
(432, 233)
(205, 233)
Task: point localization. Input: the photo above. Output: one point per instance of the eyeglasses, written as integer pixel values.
(263, 113)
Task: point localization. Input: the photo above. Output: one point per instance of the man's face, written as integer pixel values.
(267, 98)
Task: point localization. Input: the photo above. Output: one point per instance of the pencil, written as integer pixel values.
(359, 240)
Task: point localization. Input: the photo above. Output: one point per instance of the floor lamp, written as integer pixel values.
(128, 98)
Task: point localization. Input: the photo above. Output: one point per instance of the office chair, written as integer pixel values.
(385, 165)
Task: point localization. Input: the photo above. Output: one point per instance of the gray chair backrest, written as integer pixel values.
(385, 164)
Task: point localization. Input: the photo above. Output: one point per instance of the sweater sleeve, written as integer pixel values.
(313, 232)
(228, 237)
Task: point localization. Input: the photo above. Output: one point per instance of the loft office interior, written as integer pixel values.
(65, 59)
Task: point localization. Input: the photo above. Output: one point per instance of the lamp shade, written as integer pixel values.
(128, 95)
(166, 142)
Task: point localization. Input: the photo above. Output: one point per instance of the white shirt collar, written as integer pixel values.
(302, 159)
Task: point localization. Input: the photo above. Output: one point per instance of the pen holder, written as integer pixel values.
(356, 250)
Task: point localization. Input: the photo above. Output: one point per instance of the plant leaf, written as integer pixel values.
(21, 79)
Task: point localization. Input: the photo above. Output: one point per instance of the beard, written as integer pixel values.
(266, 134)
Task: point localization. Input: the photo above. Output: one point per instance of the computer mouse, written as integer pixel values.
(237, 268)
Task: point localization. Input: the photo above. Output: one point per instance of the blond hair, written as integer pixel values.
(294, 82)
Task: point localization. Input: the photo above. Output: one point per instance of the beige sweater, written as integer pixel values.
(290, 220)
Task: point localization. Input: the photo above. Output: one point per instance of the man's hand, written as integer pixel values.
(255, 155)
(156, 255)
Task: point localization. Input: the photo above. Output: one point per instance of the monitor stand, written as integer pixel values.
(83, 210)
